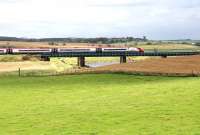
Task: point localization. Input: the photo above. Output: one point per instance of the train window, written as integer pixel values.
(116, 49)
(33, 50)
(99, 50)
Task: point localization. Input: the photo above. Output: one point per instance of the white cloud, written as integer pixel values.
(91, 18)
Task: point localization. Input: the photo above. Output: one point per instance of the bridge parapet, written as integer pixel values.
(118, 54)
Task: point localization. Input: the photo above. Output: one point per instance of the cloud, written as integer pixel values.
(122, 4)
(164, 19)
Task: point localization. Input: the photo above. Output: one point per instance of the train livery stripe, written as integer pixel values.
(33, 50)
(74, 49)
(3, 51)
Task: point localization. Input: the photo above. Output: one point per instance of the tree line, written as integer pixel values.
(103, 40)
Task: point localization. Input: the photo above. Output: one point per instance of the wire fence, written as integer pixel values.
(34, 73)
(43, 73)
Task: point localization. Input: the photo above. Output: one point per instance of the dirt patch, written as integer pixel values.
(173, 65)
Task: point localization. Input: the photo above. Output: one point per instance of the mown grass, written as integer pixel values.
(106, 104)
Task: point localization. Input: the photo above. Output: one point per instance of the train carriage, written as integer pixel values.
(63, 50)
(31, 51)
(114, 49)
(2, 51)
(131, 49)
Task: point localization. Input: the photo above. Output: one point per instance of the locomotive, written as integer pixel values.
(65, 50)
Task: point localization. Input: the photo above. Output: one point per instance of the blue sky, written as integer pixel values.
(156, 19)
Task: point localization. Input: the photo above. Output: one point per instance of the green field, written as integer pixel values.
(106, 104)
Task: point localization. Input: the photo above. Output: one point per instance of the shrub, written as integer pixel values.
(26, 58)
(51, 43)
(149, 43)
(198, 43)
(30, 58)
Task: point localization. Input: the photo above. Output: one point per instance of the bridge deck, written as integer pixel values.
(116, 54)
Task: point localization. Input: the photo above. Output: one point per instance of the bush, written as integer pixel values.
(30, 58)
(185, 43)
(26, 58)
(136, 43)
(149, 43)
(51, 43)
(198, 43)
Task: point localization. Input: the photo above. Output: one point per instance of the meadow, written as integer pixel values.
(103, 104)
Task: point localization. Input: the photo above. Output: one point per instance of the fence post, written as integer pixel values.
(19, 72)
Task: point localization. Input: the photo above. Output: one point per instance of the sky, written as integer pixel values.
(156, 19)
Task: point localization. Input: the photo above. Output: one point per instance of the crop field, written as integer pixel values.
(170, 47)
(159, 46)
(20, 44)
(106, 104)
(171, 65)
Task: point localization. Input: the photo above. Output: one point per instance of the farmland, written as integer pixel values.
(12, 63)
(99, 104)
(99, 67)
(170, 65)
(21, 44)
(145, 45)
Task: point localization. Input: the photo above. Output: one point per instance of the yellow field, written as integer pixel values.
(45, 44)
(169, 46)
(162, 46)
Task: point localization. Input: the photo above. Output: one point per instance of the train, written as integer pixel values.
(65, 50)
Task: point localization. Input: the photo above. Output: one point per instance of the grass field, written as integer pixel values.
(106, 104)
(162, 46)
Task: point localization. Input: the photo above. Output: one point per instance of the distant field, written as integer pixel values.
(43, 44)
(107, 104)
(160, 46)
(170, 47)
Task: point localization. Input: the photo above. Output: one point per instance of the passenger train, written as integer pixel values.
(64, 50)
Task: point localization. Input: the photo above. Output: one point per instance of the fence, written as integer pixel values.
(41, 73)
(33, 73)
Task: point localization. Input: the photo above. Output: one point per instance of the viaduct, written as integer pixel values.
(123, 55)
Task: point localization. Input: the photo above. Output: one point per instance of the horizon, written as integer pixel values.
(97, 37)
(158, 20)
